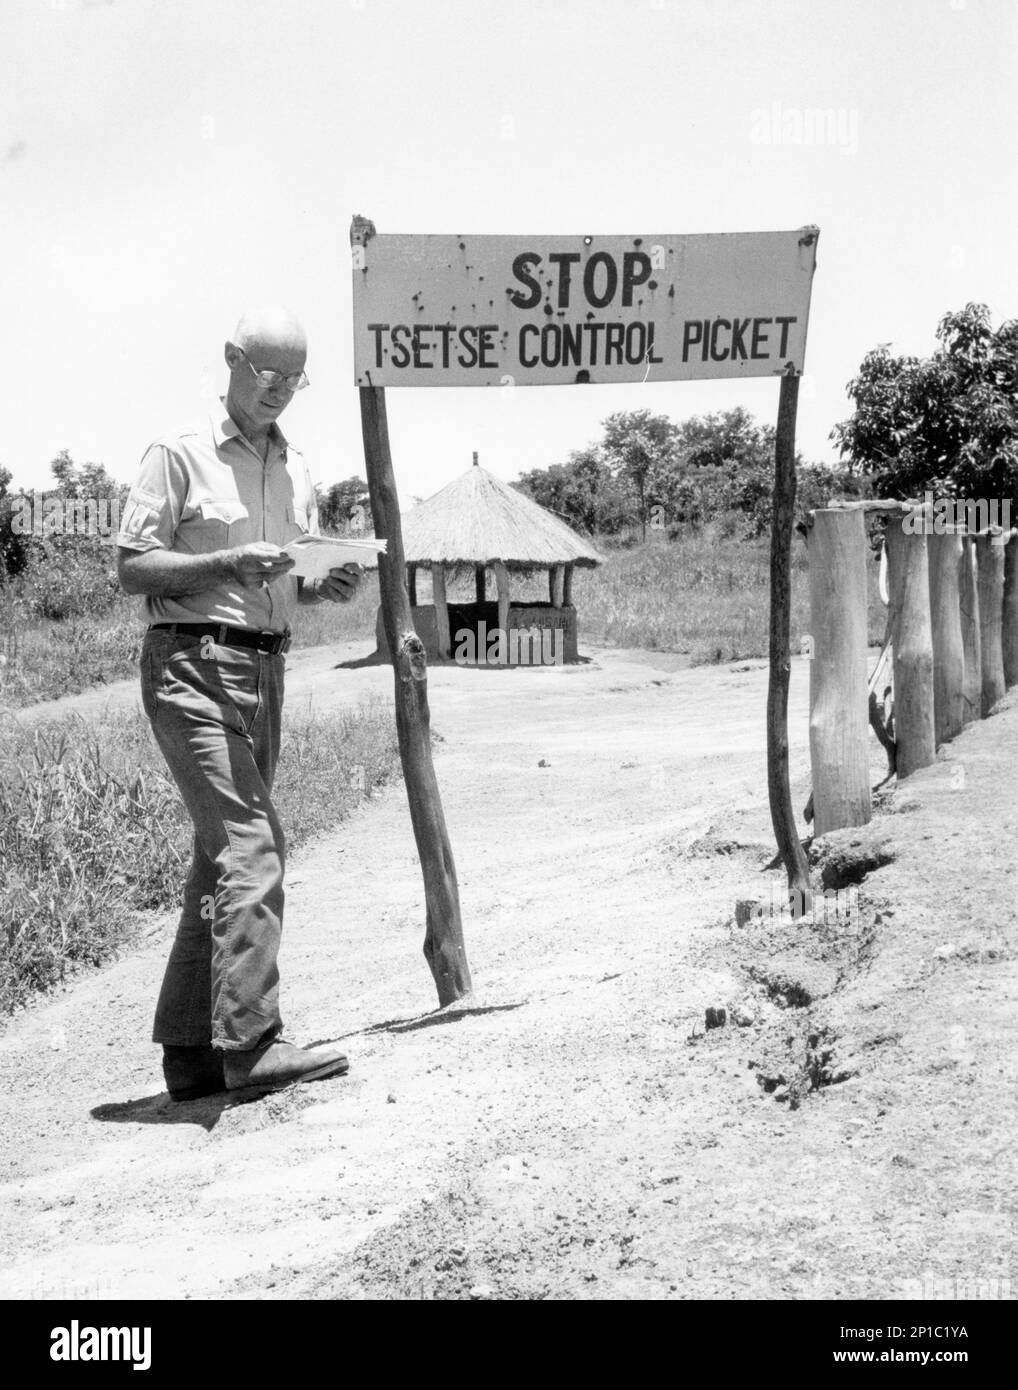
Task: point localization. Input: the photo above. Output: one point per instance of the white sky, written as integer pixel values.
(163, 165)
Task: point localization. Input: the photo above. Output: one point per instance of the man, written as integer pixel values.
(201, 538)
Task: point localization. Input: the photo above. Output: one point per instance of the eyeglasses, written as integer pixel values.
(296, 381)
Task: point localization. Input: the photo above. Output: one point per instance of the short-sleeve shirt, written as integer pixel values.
(207, 489)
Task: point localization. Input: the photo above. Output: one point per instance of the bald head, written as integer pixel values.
(269, 328)
(267, 339)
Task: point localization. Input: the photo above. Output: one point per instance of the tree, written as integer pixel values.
(344, 506)
(639, 446)
(582, 491)
(946, 423)
(707, 468)
(69, 570)
(723, 466)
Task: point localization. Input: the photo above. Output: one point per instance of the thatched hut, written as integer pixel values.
(482, 524)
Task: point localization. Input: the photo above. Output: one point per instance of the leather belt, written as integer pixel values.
(273, 643)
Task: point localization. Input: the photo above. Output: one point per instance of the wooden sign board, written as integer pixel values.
(562, 310)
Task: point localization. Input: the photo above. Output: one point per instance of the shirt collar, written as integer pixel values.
(224, 427)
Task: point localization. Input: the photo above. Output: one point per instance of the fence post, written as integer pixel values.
(779, 795)
(968, 602)
(945, 551)
(912, 648)
(1009, 617)
(838, 714)
(990, 563)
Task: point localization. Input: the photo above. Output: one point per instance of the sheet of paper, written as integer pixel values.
(316, 555)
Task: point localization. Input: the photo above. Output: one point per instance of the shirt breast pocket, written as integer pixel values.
(220, 522)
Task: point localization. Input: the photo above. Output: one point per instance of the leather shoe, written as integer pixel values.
(280, 1064)
(192, 1072)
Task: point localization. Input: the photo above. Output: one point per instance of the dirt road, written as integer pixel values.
(570, 1130)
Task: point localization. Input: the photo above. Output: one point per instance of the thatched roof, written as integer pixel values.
(477, 518)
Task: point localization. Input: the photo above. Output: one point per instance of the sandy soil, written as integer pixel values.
(571, 1130)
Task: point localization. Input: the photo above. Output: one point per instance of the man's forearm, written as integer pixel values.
(168, 573)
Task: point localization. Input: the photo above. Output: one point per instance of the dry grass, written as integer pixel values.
(92, 829)
(702, 595)
(44, 660)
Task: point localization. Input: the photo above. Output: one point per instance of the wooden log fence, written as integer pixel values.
(953, 632)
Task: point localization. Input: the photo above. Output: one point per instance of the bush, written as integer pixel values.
(68, 577)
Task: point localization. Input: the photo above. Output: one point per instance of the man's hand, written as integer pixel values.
(257, 564)
(341, 584)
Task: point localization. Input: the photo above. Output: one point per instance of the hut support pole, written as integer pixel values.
(443, 942)
(912, 646)
(944, 549)
(1009, 636)
(990, 563)
(479, 583)
(968, 598)
(782, 815)
(502, 583)
(441, 611)
(556, 581)
(838, 701)
(567, 585)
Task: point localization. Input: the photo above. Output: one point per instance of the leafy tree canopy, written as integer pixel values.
(947, 423)
(338, 505)
(650, 470)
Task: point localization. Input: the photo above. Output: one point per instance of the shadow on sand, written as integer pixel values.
(429, 1020)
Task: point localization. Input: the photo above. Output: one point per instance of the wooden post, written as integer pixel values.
(783, 515)
(502, 584)
(990, 563)
(838, 700)
(441, 611)
(1009, 618)
(412, 584)
(912, 649)
(443, 941)
(567, 585)
(968, 602)
(479, 594)
(555, 584)
(944, 550)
